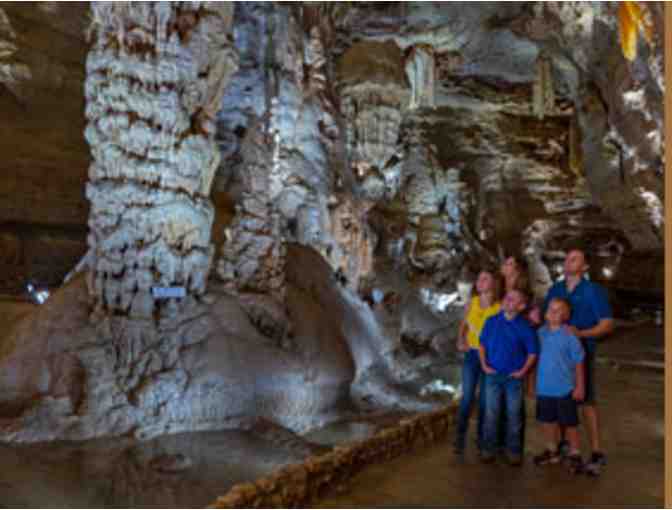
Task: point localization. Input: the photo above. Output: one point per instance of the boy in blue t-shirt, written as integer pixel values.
(508, 350)
(560, 385)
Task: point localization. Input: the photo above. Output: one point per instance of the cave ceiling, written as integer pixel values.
(469, 135)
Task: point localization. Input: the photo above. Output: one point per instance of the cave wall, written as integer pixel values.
(619, 105)
(43, 209)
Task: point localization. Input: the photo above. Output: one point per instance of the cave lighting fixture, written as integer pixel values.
(38, 296)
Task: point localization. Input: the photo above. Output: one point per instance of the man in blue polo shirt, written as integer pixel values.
(508, 350)
(591, 319)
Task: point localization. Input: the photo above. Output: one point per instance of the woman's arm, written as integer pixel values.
(462, 344)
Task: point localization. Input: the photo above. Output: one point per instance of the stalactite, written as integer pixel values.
(575, 151)
(543, 95)
(374, 91)
(420, 69)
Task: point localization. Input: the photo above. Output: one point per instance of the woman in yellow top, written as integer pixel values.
(482, 306)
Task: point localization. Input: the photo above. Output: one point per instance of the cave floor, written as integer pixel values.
(191, 470)
(188, 470)
(631, 395)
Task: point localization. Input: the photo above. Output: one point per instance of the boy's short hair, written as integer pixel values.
(567, 304)
(523, 293)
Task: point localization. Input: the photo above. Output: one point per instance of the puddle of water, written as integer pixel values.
(353, 429)
(179, 471)
(339, 433)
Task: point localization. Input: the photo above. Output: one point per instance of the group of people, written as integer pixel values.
(514, 346)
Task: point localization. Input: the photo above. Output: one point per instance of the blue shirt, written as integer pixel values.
(507, 343)
(559, 353)
(589, 305)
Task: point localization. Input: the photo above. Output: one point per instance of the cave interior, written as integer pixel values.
(261, 216)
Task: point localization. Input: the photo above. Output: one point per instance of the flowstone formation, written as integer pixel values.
(374, 92)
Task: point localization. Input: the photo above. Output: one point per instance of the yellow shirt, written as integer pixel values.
(476, 320)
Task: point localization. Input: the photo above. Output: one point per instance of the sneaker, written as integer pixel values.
(575, 463)
(563, 448)
(594, 466)
(514, 459)
(547, 457)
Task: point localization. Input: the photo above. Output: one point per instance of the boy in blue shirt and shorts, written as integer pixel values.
(591, 319)
(560, 385)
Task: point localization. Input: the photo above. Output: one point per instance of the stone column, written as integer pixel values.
(543, 95)
(155, 77)
(421, 73)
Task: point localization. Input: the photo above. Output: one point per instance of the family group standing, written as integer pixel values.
(508, 345)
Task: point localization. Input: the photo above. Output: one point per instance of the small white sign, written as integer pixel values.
(168, 292)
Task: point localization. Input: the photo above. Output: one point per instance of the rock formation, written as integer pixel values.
(155, 78)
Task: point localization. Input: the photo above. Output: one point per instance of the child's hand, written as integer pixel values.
(518, 374)
(488, 369)
(579, 393)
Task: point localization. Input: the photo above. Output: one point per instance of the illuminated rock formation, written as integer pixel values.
(623, 151)
(253, 255)
(155, 77)
(353, 241)
(13, 72)
(543, 95)
(421, 73)
(374, 91)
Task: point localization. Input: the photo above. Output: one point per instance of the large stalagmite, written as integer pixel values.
(155, 77)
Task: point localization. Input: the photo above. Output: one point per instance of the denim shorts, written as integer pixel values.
(560, 410)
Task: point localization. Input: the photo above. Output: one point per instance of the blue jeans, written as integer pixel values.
(497, 385)
(472, 378)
